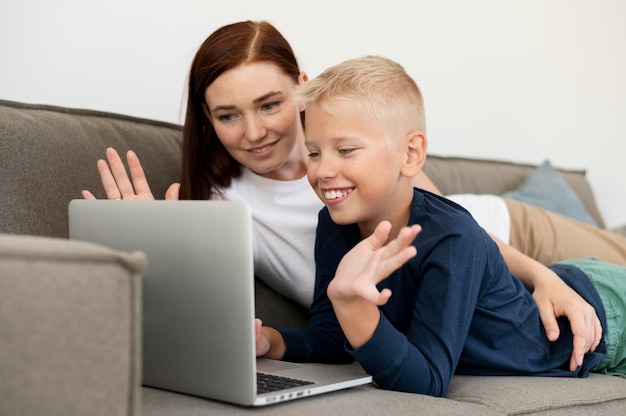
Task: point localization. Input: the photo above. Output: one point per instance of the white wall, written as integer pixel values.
(521, 80)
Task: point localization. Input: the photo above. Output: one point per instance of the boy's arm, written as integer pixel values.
(554, 299)
(422, 359)
(353, 292)
(269, 342)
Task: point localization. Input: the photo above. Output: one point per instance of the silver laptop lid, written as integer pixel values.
(200, 265)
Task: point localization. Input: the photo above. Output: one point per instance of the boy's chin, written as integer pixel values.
(341, 218)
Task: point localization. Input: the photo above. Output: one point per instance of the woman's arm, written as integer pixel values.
(554, 299)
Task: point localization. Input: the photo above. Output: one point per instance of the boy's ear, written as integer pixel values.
(416, 149)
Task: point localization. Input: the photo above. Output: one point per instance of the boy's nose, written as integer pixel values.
(326, 168)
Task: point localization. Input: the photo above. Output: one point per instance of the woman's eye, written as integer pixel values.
(346, 150)
(226, 117)
(270, 106)
(313, 154)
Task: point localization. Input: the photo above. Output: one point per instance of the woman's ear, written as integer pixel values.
(416, 149)
(302, 78)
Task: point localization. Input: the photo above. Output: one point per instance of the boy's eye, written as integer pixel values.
(346, 150)
(313, 154)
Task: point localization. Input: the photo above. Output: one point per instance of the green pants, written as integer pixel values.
(610, 282)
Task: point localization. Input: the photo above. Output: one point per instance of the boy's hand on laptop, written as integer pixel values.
(370, 262)
(269, 342)
(262, 343)
(117, 184)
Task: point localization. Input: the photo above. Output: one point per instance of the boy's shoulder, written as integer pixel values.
(435, 211)
(433, 203)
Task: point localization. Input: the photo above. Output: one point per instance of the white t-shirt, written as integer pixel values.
(284, 215)
(284, 237)
(489, 211)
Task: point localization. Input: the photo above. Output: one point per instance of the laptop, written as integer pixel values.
(198, 299)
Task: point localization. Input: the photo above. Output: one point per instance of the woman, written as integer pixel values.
(243, 140)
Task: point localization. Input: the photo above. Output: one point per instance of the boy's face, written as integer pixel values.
(354, 168)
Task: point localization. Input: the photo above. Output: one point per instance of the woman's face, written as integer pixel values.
(253, 114)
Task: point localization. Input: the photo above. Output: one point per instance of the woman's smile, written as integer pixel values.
(264, 150)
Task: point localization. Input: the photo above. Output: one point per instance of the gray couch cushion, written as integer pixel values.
(597, 394)
(70, 328)
(362, 401)
(48, 155)
(468, 395)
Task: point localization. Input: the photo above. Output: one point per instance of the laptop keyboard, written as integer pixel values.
(266, 383)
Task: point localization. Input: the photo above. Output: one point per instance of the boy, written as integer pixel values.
(438, 299)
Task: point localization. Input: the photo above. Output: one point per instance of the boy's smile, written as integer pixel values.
(354, 168)
(335, 195)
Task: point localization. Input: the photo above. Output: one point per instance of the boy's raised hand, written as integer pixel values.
(353, 292)
(370, 262)
(117, 183)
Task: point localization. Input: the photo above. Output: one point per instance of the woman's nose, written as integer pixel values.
(255, 129)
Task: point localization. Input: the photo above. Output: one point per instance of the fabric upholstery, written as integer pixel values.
(70, 328)
(48, 155)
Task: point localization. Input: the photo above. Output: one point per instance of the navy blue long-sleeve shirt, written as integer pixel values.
(455, 308)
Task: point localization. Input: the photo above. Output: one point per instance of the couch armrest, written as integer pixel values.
(70, 328)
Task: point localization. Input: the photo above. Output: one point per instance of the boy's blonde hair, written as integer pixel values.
(379, 89)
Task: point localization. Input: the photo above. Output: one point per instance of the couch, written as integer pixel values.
(70, 311)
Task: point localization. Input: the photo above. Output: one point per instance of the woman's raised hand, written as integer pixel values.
(118, 185)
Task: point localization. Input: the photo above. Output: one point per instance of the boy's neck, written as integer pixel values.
(398, 214)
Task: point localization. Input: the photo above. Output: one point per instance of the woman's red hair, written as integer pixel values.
(207, 166)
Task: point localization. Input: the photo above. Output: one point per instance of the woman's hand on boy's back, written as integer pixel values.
(117, 183)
